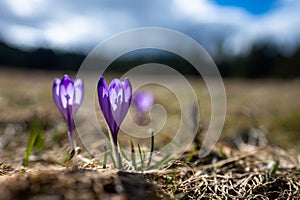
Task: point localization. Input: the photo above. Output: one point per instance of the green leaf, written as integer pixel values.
(105, 158)
(275, 167)
(123, 153)
(192, 153)
(30, 144)
(36, 139)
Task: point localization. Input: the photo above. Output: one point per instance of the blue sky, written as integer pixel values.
(255, 7)
(230, 26)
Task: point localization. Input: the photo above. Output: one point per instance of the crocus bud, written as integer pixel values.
(68, 97)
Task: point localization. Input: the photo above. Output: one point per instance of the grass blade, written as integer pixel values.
(133, 158)
(105, 158)
(275, 167)
(30, 144)
(123, 153)
(192, 153)
(141, 157)
(151, 150)
(36, 139)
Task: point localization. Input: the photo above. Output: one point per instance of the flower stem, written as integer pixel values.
(71, 138)
(118, 155)
(115, 149)
(71, 135)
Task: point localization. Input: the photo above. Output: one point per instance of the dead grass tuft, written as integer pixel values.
(261, 174)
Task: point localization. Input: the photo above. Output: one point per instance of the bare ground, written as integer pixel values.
(268, 173)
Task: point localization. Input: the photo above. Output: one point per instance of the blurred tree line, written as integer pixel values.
(41, 58)
(263, 61)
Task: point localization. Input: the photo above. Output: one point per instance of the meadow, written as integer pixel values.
(256, 157)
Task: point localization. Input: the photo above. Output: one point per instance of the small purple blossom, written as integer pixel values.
(68, 96)
(143, 102)
(114, 102)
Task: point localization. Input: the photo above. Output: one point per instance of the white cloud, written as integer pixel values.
(82, 31)
(62, 26)
(82, 25)
(204, 11)
(72, 30)
(23, 36)
(25, 8)
(282, 25)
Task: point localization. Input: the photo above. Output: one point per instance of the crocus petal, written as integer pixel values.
(117, 100)
(56, 97)
(78, 95)
(66, 91)
(55, 92)
(127, 90)
(103, 97)
(115, 94)
(127, 97)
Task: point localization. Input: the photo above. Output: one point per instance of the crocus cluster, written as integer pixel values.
(68, 96)
(114, 102)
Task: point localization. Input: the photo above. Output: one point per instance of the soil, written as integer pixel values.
(77, 184)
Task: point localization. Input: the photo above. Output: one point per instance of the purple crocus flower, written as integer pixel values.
(143, 102)
(68, 97)
(114, 102)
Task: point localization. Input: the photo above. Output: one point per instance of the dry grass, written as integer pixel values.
(263, 173)
(243, 176)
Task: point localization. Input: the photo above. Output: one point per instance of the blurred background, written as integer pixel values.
(250, 39)
(254, 43)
